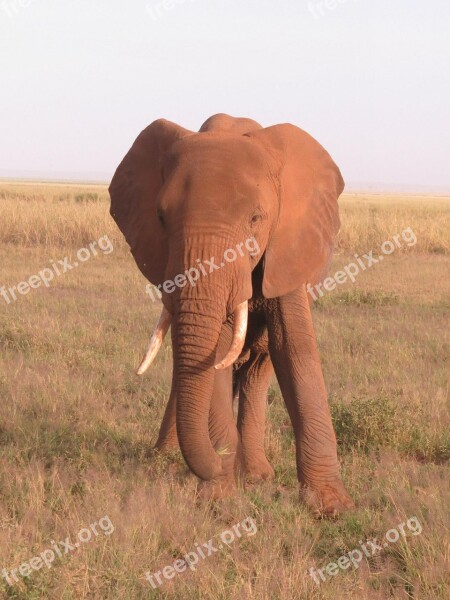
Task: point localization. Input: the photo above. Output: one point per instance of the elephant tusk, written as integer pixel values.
(239, 332)
(156, 340)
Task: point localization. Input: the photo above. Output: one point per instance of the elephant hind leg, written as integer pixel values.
(255, 377)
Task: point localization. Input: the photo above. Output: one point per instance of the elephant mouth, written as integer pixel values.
(240, 322)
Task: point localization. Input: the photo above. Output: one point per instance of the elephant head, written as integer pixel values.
(183, 200)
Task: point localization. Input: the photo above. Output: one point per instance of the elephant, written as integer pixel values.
(183, 199)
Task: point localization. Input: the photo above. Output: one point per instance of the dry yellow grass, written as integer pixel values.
(368, 220)
(77, 426)
(53, 215)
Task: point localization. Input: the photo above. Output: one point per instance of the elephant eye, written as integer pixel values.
(160, 216)
(255, 219)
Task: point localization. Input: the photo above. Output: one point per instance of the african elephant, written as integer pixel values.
(183, 200)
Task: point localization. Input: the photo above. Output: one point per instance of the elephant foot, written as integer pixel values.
(216, 490)
(167, 443)
(166, 452)
(258, 470)
(328, 500)
(166, 448)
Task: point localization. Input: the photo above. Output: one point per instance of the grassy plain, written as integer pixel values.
(77, 426)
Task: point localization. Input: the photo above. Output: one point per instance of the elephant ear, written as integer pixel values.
(134, 190)
(301, 243)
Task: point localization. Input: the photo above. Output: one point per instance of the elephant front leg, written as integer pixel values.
(254, 377)
(222, 427)
(224, 437)
(294, 353)
(167, 438)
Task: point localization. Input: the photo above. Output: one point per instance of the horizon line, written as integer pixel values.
(101, 180)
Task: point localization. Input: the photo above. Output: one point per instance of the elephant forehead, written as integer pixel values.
(193, 190)
(219, 154)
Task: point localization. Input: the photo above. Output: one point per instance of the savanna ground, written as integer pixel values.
(77, 426)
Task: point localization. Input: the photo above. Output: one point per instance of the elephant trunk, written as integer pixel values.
(195, 338)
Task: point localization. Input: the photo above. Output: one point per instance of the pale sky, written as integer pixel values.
(368, 78)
